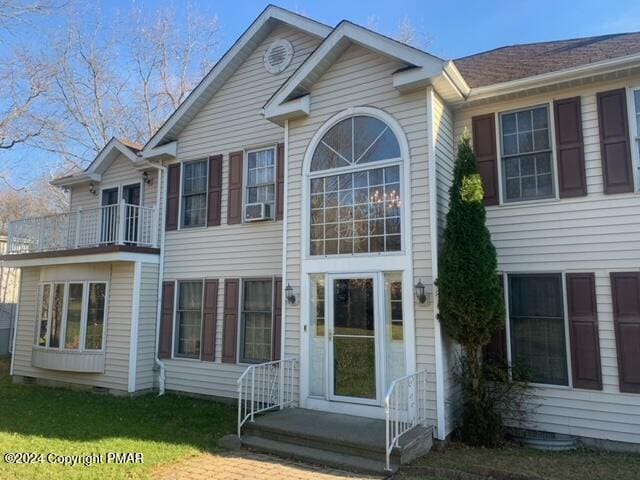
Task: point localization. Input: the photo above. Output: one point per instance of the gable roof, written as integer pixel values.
(262, 26)
(521, 61)
(112, 150)
(420, 68)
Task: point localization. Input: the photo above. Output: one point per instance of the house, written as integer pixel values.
(276, 241)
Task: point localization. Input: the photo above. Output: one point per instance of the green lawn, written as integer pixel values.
(577, 465)
(164, 429)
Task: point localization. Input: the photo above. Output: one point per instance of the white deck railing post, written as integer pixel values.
(78, 223)
(121, 222)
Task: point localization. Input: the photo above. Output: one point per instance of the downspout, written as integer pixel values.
(14, 329)
(161, 180)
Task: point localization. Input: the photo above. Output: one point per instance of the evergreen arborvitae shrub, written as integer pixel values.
(471, 303)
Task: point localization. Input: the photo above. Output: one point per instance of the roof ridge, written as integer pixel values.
(546, 42)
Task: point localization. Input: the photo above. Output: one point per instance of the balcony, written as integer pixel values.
(102, 228)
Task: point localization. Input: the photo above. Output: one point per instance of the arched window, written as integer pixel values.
(357, 208)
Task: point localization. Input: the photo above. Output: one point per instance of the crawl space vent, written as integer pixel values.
(278, 56)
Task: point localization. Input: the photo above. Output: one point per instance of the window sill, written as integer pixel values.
(68, 361)
(516, 204)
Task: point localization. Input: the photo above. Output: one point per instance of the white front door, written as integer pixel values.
(353, 338)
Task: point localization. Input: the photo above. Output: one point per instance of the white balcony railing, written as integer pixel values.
(265, 386)
(120, 224)
(405, 407)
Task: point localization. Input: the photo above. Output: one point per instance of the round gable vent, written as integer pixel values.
(278, 56)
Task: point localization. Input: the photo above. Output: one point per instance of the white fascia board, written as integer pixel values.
(293, 108)
(271, 12)
(456, 79)
(167, 151)
(88, 258)
(76, 179)
(547, 79)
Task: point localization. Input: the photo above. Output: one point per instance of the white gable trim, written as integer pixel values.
(99, 165)
(226, 65)
(425, 66)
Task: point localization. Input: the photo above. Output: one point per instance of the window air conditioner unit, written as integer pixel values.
(257, 212)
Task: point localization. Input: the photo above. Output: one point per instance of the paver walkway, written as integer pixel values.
(242, 465)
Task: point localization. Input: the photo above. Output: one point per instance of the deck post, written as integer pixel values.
(121, 221)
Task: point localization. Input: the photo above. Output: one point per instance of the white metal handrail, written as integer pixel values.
(122, 223)
(265, 386)
(405, 407)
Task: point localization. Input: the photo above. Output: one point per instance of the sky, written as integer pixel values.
(453, 28)
(447, 29)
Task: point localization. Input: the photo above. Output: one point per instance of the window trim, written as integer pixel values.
(181, 225)
(174, 327)
(634, 133)
(240, 346)
(83, 318)
(552, 150)
(565, 312)
(245, 177)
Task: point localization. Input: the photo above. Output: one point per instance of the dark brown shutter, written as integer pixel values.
(625, 289)
(209, 313)
(214, 199)
(166, 319)
(234, 205)
(583, 329)
(614, 141)
(496, 349)
(570, 147)
(277, 317)
(230, 325)
(484, 146)
(280, 182)
(173, 197)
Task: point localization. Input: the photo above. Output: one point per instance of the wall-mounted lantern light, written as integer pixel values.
(421, 292)
(288, 293)
(92, 189)
(146, 178)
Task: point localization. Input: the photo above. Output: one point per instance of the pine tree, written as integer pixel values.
(471, 302)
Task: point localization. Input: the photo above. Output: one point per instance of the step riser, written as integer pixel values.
(327, 458)
(321, 444)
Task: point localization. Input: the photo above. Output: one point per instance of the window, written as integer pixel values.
(70, 309)
(95, 316)
(189, 319)
(194, 194)
(74, 316)
(359, 209)
(257, 321)
(526, 154)
(537, 327)
(261, 177)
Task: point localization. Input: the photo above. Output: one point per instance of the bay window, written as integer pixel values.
(71, 315)
(526, 154)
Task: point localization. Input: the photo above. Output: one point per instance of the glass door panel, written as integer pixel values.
(353, 338)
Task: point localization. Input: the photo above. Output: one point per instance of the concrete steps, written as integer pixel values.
(341, 441)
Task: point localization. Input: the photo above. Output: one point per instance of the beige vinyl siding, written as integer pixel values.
(597, 233)
(117, 324)
(361, 77)
(230, 122)
(120, 172)
(145, 377)
(445, 145)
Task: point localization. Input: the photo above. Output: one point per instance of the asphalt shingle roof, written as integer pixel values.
(521, 61)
